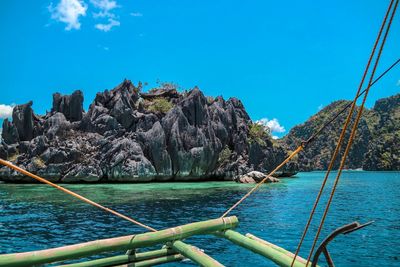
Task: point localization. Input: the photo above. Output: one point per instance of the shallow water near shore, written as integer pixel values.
(37, 216)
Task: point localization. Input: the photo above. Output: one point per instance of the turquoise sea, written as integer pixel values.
(36, 216)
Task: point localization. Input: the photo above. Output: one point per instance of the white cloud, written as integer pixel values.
(106, 27)
(275, 137)
(273, 125)
(68, 11)
(6, 111)
(136, 14)
(104, 7)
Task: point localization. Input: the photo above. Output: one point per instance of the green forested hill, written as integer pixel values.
(384, 147)
(376, 146)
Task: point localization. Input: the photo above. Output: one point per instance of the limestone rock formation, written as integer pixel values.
(255, 177)
(23, 121)
(129, 136)
(9, 133)
(69, 105)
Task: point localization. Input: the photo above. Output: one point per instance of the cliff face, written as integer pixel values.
(384, 148)
(376, 146)
(129, 136)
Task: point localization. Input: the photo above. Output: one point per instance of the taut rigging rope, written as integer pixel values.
(343, 132)
(350, 103)
(309, 140)
(353, 133)
(294, 153)
(40, 179)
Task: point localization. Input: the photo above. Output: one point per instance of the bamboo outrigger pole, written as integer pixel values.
(284, 251)
(119, 243)
(150, 262)
(148, 258)
(195, 254)
(280, 256)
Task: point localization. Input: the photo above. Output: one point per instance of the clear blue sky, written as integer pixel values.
(283, 59)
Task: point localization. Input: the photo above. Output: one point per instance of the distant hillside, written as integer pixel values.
(376, 147)
(384, 148)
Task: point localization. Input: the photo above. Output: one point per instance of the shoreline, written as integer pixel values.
(188, 181)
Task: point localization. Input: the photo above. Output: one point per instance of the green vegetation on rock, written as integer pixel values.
(13, 157)
(38, 162)
(224, 155)
(160, 105)
(258, 133)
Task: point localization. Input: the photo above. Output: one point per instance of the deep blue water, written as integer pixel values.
(36, 217)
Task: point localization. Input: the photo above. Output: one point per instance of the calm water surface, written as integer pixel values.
(36, 217)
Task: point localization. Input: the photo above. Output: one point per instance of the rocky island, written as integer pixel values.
(164, 135)
(129, 136)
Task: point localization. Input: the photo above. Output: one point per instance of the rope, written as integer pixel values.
(40, 179)
(312, 138)
(342, 134)
(349, 104)
(294, 153)
(353, 133)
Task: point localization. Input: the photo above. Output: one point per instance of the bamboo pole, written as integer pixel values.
(118, 243)
(288, 253)
(124, 259)
(269, 252)
(195, 254)
(155, 261)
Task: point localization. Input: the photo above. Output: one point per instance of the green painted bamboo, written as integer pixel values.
(123, 259)
(195, 254)
(155, 261)
(269, 252)
(288, 253)
(118, 243)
